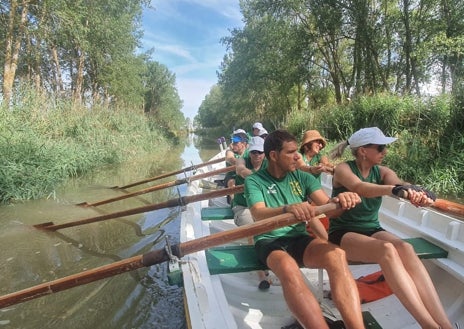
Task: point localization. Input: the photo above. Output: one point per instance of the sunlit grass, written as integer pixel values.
(45, 141)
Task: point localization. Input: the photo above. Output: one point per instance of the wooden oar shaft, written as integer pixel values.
(71, 281)
(160, 186)
(167, 204)
(193, 167)
(450, 207)
(154, 257)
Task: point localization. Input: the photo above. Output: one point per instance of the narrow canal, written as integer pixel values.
(139, 299)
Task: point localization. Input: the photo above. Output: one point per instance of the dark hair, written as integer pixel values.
(275, 141)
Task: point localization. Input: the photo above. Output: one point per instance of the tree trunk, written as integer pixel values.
(58, 78)
(79, 76)
(12, 45)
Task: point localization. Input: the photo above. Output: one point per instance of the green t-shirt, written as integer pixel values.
(315, 160)
(239, 198)
(365, 216)
(295, 187)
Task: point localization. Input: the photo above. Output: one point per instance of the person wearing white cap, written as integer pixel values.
(263, 133)
(246, 166)
(359, 233)
(257, 126)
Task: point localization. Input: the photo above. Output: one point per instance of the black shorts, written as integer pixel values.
(294, 246)
(336, 237)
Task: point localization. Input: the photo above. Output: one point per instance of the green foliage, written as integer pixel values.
(162, 101)
(429, 146)
(45, 141)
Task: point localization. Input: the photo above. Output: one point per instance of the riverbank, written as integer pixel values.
(43, 145)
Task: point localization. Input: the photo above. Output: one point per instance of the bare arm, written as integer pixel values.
(241, 168)
(323, 166)
(303, 210)
(343, 176)
(230, 157)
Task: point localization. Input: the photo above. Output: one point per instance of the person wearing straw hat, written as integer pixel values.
(358, 230)
(311, 159)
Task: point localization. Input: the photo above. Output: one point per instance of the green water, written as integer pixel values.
(138, 299)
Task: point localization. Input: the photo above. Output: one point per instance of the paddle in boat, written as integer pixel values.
(221, 285)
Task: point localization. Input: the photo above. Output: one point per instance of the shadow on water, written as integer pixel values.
(139, 299)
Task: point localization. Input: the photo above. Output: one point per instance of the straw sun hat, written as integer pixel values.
(312, 135)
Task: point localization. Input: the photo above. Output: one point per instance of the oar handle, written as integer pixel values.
(216, 239)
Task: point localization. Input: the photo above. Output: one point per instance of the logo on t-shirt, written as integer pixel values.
(271, 189)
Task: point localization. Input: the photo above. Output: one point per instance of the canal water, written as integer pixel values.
(141, 298)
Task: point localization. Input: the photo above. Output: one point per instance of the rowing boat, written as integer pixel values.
(221, 286)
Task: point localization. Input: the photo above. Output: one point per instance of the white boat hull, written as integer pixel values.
(234, 300)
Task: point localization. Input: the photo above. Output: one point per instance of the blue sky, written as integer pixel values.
(185, 36)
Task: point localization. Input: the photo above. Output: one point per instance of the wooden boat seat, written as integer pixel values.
(243, 258)
(216, 213)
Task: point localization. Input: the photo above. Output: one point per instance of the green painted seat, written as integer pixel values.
(216, 213)
(369, 321)
(425, 249)
(233, 259)
(242, 258)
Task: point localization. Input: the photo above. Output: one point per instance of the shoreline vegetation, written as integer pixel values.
(45, 141)
(429, 130)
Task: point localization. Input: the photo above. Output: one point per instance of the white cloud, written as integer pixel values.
(188, 44)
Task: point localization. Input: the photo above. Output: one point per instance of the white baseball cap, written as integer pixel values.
(262, 132)
(371, 135)
(239, 131)
(258, 125)
(256, 144)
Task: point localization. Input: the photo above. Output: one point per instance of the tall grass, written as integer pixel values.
(429, 147)
(45, 141)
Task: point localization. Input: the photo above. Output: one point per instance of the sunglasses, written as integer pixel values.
(379, 148)
(256, 152)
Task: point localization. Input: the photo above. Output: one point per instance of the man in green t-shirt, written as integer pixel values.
(281, 188)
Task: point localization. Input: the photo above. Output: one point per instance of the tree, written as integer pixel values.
(162, 101)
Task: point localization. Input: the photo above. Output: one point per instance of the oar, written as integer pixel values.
(155, 257)
(443, 205)
(172, 173)
(158, 187)
(448, 206)
(167, 204)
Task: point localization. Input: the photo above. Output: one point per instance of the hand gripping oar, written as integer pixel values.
(172, 173)
(158, 187)
(167, 204)
(156, 257)
(443, 205)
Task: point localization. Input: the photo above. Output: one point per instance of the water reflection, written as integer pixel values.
(138, 299)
